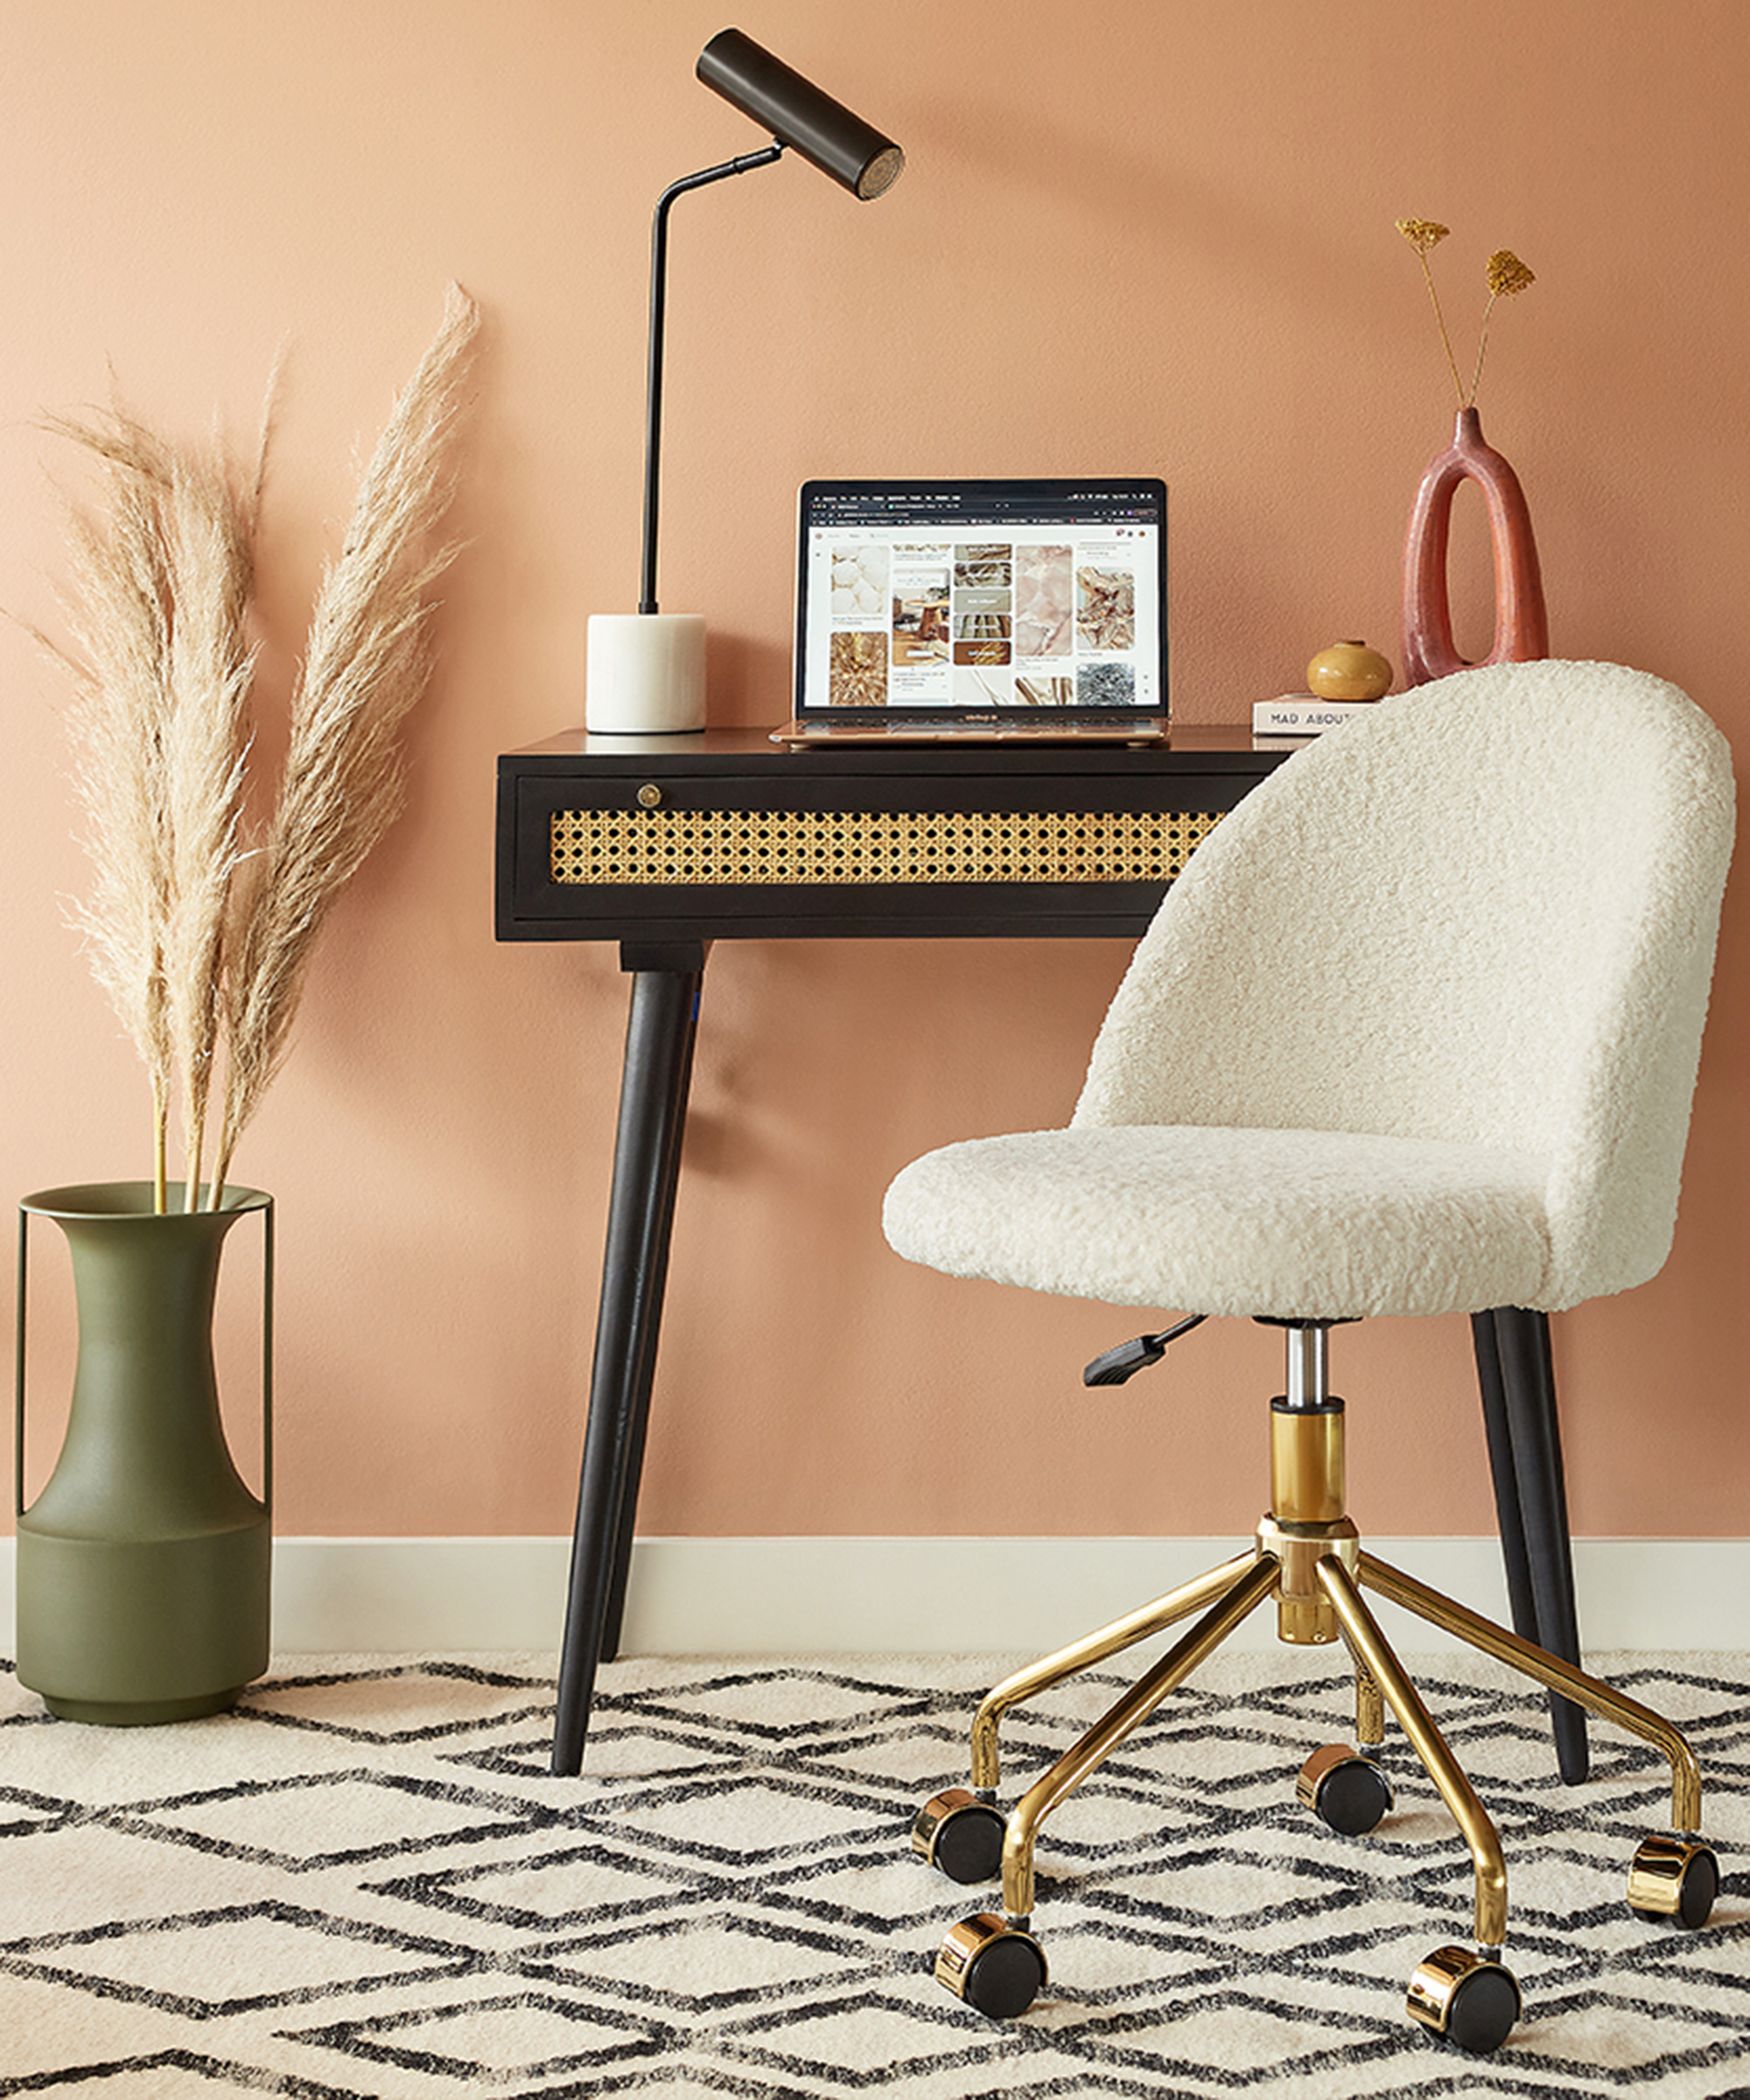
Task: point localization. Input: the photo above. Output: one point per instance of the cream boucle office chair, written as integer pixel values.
(1417, 1031)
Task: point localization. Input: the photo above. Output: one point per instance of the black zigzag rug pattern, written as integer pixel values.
(364, 1885)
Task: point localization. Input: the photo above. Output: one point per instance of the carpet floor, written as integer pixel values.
(364, 1885)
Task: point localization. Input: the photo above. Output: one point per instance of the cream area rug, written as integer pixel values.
(365, 1885)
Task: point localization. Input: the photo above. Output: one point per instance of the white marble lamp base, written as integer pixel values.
(647, 674)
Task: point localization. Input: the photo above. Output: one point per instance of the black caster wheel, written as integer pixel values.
(1470, 2001)
(997, 1967)
(1344, 1789)
(960, 1834)
(1675, 1877)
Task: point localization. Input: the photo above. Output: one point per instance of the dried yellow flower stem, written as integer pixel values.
(1422, 234)
(1506, 277)
(1505, 274)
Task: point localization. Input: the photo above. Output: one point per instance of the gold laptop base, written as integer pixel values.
(803, 735)
(1308, 1558)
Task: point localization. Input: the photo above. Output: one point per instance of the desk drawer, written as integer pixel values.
(685, 853)
(788, 849)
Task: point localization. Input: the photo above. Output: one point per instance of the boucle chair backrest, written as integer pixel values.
(1485, 911)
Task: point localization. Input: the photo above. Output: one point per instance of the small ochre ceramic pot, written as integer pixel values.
(1348, 670)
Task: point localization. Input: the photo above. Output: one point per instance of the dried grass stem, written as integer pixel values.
(201, 937)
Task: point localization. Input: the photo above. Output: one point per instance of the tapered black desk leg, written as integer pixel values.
(660, 1032)
(1516, 1378)
(1528, 1378)
(682, 1076)
(1521, 1596)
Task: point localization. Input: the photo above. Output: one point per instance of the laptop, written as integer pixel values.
(987, 611)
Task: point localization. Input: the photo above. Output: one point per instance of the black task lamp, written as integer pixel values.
(647, 670)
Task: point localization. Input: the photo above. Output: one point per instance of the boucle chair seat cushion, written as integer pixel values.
(1289, 1224)
(1416, 1031)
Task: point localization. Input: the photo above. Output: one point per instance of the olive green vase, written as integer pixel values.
(144, 1563)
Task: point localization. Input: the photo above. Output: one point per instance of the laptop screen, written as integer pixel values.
(974, 601)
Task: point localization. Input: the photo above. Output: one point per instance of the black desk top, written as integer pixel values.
(1190, 747)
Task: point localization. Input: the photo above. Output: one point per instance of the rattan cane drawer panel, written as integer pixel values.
(784, 847)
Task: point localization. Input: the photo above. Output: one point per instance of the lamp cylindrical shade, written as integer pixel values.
(647, 674)
(799, 116)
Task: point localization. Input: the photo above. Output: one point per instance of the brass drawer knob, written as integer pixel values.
(649, 795)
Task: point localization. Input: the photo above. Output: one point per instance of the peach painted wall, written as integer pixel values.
(1159, 239)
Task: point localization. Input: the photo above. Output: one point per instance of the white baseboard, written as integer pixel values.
(911, 1596)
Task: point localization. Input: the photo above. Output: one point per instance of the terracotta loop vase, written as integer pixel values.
(144, 1563)
(1522, 631)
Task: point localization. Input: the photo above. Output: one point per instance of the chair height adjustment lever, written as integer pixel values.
(1129, 1357)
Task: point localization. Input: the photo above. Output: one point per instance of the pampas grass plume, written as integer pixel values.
(368, 660)
(202, 938)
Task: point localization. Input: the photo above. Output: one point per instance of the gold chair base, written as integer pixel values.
(1317, 1574)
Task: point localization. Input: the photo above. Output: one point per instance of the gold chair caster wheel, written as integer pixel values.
(961, 1835)
(1344, 1789)
(997, 1967)
(1469, 2000)
(1676, 1877)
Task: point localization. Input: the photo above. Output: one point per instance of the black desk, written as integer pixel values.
(668, 843)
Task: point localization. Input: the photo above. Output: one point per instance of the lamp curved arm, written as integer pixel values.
(653, 393)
